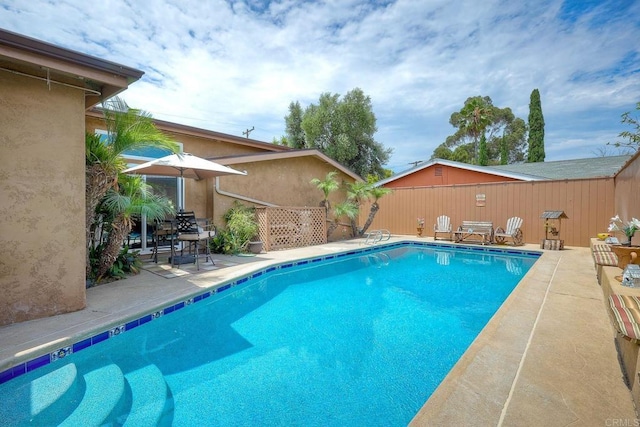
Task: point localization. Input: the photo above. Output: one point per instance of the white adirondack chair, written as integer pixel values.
(442, 226)
(512, 232)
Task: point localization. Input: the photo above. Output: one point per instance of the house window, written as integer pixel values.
(438, 171)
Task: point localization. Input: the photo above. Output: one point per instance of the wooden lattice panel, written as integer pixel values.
(291, 227)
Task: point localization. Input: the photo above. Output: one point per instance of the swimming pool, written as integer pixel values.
(361, 345)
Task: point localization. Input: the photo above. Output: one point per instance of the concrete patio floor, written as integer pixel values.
(546, 358)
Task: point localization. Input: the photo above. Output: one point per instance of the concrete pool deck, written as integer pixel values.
(546, 358)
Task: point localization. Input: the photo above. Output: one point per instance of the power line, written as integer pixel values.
(416, 163)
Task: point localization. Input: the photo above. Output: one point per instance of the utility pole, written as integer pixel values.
(416, 163)
(248, 131)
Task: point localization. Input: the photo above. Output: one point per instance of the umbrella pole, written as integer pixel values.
(182, 191)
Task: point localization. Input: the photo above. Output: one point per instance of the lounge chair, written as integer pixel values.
(512, 232)
(442, 226)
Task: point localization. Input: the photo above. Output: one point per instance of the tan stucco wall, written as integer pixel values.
(282, 182)
(42, 241)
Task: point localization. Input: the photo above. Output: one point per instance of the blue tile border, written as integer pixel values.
(45, 359)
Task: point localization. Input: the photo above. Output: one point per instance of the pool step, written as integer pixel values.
(45, 400)
(149, 396)
(104, 393)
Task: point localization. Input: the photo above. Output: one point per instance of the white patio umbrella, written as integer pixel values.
(183, 165)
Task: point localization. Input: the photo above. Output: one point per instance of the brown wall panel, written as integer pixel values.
(589, 204)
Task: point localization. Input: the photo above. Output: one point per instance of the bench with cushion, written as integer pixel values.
(626, 316)
(603, 256)
(475, 232)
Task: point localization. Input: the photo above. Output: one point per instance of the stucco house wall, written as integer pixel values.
(42, 252)
(281, 182)
(44, 92)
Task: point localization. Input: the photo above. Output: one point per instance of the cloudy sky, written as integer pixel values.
(232, 65)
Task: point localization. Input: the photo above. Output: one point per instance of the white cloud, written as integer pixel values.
(230, 65)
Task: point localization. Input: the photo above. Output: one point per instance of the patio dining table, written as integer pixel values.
(166, 233)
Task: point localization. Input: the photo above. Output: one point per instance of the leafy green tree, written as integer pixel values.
(536, 129)
(282, 141)
(633, 136)
(295, 135)
(127, 129)
(513, 141)
(480, 117)
(442, 152)
(343, 129)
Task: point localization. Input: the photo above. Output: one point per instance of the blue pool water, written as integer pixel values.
(360, 340)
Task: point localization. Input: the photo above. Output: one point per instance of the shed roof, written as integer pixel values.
(593, 167)
(460, 165)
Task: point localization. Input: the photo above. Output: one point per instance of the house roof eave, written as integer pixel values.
(293, 153)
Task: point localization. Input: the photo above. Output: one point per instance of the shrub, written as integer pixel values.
(241, 228)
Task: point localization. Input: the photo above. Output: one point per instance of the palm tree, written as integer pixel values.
(127, 129)
(375, 193)
(358, 193)
(327, 186)
(133, 199)
(476, 116)
(346, 208)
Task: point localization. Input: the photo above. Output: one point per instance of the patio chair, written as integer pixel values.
(442, 226)
(193, 235)
(164, 235)
(512, 232)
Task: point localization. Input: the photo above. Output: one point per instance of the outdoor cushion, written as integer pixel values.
(602, 248)
(626, 315)
(605, 258)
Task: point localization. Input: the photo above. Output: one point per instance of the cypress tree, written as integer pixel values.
(504, 152)
(483, 157)
(536, 129)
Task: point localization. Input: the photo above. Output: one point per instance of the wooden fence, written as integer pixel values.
(291, 227)
(589, 204)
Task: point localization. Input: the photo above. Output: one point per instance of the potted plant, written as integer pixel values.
(420, 226)
(629, 228)
(255, 245)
